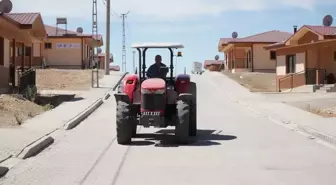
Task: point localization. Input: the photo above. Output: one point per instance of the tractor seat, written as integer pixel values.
(153, 83)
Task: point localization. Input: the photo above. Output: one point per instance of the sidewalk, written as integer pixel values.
(324, 128)
(13, 140)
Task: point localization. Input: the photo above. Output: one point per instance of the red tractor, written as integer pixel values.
(156, 102)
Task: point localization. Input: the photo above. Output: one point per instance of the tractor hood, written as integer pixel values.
(153, 84)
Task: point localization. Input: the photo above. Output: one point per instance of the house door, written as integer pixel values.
(248, 59)
(310, 76)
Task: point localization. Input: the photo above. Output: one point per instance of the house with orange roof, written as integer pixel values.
(17, 34)
(213, 65)
(308, 57)
(248, 54)
(68, 49)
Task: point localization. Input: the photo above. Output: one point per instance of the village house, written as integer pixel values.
(214, 65)
(306, 58)
(248, 54)
(68, 49)
(17, 34)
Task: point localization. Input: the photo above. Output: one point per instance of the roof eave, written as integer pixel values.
(274, 47)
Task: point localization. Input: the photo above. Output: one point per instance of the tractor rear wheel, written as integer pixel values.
(182, 128)
(124, 123)
(134, 129)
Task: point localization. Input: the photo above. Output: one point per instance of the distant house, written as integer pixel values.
(306, 58)
(101, 57)
(68, 49)
(248, 53)
(17, 34)
(213, 65)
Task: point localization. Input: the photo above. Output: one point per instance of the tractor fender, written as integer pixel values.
(123, 97)
(129, 85)
(186, 97)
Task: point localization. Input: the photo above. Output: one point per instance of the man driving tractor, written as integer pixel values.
(158, 69)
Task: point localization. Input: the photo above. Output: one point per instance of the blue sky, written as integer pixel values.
(197, 24)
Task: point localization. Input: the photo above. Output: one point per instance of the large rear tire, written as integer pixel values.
(124, 123)
(182, 128)
(193, 110)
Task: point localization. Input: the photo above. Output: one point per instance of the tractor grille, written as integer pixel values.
(153, 102)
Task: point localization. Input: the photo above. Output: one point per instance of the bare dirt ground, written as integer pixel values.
(14, 110)
(255, 82)
(64, 79)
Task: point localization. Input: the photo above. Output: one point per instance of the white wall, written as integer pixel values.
(37, 49)
(281, 65)
(261, 58)
(300, 62)
(6, 52)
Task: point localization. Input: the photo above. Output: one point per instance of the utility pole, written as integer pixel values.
(107, 47)
(124, 16)
(133, 60)
(94, 51)
(94, 30)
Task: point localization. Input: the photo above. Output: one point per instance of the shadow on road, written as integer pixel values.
(166, 138)
(76, 99)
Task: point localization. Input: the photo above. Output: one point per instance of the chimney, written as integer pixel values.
(295, 29)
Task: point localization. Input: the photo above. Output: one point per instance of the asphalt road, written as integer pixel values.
(235, 147)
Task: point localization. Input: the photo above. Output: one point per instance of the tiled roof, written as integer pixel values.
(54, 32)
(213, 62)
(322, 30)
(270, 36)
(275, 45)
(225, 40)
(22, 18)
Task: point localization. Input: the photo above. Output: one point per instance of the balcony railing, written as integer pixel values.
(27, 79)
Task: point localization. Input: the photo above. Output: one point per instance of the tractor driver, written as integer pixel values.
(156, 70)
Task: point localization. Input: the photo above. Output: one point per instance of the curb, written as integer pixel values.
(288, 124)
(121, 78)
(325, 137)
(107, 96)
(40, 144)
(83, 115)
(36, 147)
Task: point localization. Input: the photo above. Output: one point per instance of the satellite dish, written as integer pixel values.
(6, 6)
(99, 50)
(79, 30)
(216, 57)
(327, 20)
(234, 34)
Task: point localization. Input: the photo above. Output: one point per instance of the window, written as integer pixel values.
(272, 55)
(47, 45)
(19, 51)
(290, 63)
(27, 51)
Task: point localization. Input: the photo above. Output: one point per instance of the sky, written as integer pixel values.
(197, 24)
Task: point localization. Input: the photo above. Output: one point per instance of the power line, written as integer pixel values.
(124, 16)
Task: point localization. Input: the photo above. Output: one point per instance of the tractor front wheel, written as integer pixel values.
(193, 110)
(124, 123)
(182, 128)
